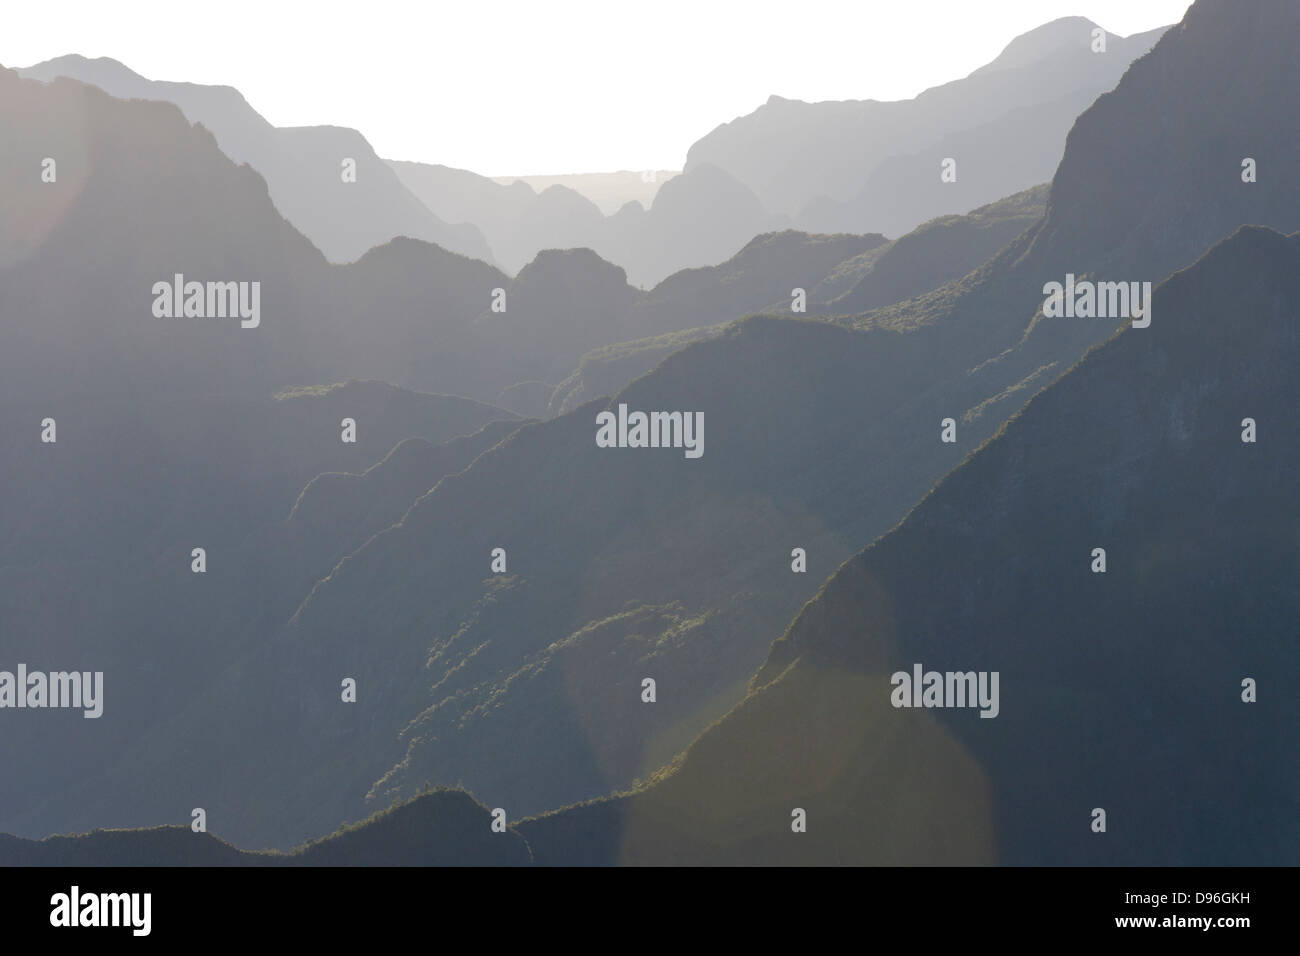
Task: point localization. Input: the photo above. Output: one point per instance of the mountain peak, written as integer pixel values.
(95, 69)
(1042, 42)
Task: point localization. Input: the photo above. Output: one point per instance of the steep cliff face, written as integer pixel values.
(1152, 173)
(1120, 690)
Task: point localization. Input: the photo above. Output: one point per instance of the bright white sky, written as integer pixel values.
(517, 87)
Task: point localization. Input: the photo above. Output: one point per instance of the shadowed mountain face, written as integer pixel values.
(251, 456)
(1222, 92)
(525, 682)
(441, 828)
(1157, 220)
(605, 584)
(862, 165)
(106, 581)
(168, 435)
(170, 419)
(303, 167)
(338, 511)
(931, 368)
(1120, 690)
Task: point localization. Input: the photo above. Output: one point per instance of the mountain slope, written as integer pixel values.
(840, 274)
(566, 304)
(678, 565)
(1110, 218)
(1004, 123)
(438, 828)
(104, 579)
(932, 254)
(816, 434)
(985, 350)
(303, 166)
(1120, 690)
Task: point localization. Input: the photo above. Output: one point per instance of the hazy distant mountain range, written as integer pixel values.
(853, 166)
(860, 165)
(694, 220)
(524, 684)
(302, 166)
(609, 191)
